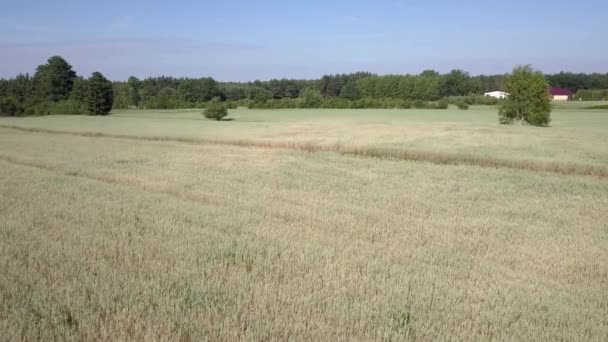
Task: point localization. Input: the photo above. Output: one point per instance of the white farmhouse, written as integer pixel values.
(497, 94)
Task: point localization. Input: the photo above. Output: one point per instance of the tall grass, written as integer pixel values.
(128, 239)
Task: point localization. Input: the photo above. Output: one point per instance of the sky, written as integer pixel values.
(247, 40)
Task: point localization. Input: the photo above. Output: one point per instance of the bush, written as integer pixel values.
(462, 105)
(277, 104)
(72, 107)
(215, 110)
(231, 105)
(335, 102)
(442, 104)
(405, 104)
(474, 100)
(419, 104)
(38, 109)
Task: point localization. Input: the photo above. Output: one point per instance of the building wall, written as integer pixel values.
(496, 94)
(560, 97)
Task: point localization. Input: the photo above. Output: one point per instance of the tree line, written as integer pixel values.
(56, 88)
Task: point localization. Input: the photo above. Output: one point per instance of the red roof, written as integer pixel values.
(560, 91)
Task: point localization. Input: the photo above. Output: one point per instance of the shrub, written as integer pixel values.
(231, 105)
(474, 100)
(442, 104)
(166, 102)
(72, 107)
(419, 104)
(215, 110)
(38, 109)
(462, 105)
(405, 104)
(335, 102)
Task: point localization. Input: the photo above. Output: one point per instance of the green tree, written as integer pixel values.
(54, 80)
(10, 106)
(134, 85)
(456, 83)
(21, 87)
(312, 98)
(80, 90)
(529, 99)
(215, 110)
(121, 95)
(429, 73)
(350, 91)
(100, 94)
(259, 94)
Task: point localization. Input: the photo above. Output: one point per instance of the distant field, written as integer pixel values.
(575, 136)
(577, 104)
(250, 230)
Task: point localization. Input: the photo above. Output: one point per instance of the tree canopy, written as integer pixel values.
(529, 99)
(54, 80)
(100, 94)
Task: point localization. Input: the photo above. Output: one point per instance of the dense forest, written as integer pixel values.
(56, 88)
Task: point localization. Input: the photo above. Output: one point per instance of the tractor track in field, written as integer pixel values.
(438, 158)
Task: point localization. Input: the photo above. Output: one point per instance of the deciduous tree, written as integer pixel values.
(529, 99)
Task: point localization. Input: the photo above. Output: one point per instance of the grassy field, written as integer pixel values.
(165, 226)
(575, 138)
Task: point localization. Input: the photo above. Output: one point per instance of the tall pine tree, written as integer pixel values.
(100, 94)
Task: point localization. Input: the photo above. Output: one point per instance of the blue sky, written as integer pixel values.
(248, 40)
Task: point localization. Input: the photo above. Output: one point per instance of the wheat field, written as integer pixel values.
(162, 226)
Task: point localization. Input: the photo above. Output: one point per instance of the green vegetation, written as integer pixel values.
(303, 224)
(591, 95)
(100, 95)
(462, 105)
(574, 140)
(311, 98)
(10, 106)
(216, 110)
(528, 101)
(55, 81)
(55, 89)
(432, 223)
(576, 82)
(598, 107)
